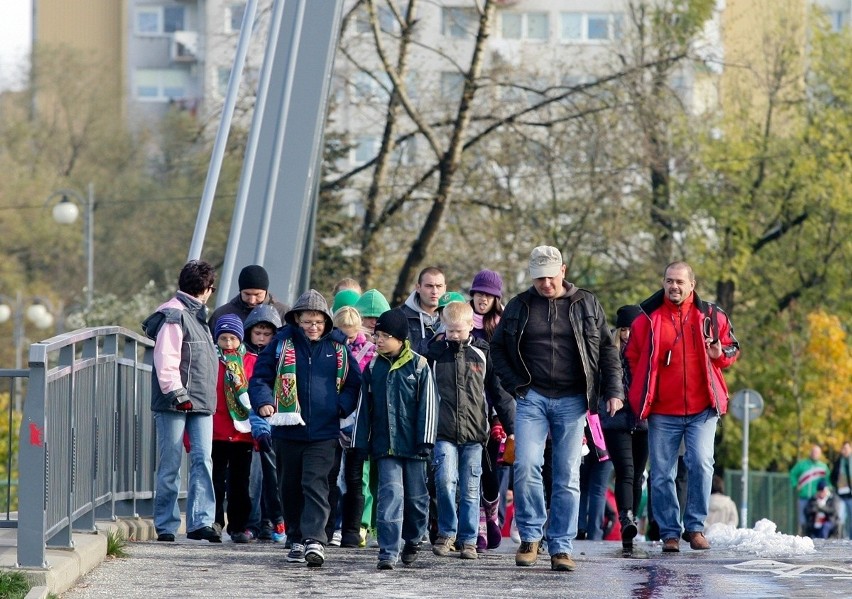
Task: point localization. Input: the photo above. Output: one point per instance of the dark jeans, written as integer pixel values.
(304, 479)
(489, 483)
(270, 499)
(353, 499)
(333, 492)
(628, 452)
(231, 469)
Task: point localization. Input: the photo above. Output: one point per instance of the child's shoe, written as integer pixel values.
(279, 533)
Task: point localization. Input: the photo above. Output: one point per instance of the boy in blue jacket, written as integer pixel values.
(396, 423)
(304, 381)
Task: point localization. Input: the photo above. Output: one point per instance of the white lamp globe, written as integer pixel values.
(65, 212)
(45, 321)
(5, 313)
(36, 313)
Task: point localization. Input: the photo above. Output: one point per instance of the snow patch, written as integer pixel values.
(763, 540)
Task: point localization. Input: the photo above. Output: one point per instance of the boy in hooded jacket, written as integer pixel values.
(304, 382)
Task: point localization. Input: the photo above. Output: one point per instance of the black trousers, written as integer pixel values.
(270, 498)
(333, 492)
(628, 452)
(353, 499)
(231, 469)
(303, 474)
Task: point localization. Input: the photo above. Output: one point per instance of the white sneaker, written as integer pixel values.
(336, 538)
(296, 554)
(513, 532)
(314, 554)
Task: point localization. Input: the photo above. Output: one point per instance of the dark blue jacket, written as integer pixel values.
(316, 373)
(398, 412)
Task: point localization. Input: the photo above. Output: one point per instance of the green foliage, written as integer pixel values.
(14, 585)
(116, 544)
(8, 431)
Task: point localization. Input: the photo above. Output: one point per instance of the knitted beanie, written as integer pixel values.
(626, 315)
(229, 323)
(394, 323)
(254, 277)
(450, 296)
(345, 297)
(487, 281)
(372, 304)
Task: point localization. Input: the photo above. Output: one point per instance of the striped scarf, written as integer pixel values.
(286, 395)
(236, 388)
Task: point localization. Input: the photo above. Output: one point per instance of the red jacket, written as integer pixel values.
(223, 424)
(692, 381)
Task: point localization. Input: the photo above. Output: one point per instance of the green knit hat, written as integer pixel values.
(344, 297)
(372, 304)
(449, 297)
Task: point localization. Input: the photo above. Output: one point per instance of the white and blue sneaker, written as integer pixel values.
(296, 554)
(314, 554)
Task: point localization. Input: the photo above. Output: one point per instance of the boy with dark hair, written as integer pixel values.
(396, 423)
(261, 325)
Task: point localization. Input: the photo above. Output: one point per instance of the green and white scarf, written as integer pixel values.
(286, 394)
(236, 388)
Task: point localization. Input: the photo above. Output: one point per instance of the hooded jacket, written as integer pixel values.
(316, 372)
(598, 354)
(398, 412)
(421, 325)
(463, 380)
(262, 313)
(185, 359)
(646, 357)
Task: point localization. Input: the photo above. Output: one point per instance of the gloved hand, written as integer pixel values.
(263, 443)
(244, 400)
(184, 406)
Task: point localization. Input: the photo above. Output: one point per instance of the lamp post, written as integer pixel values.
(65, 212)
(37, 313)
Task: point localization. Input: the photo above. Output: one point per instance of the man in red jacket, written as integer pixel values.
(678, 347)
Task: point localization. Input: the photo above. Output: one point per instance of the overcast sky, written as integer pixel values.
(15, 36)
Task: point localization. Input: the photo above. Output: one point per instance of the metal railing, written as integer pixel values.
(769, 496)
(11, 381)
(87, 445)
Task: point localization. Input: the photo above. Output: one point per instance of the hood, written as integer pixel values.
(311, 300)
(263, 313)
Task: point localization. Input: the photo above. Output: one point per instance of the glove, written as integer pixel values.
(244, 400)
(263, 443)
(184, 406)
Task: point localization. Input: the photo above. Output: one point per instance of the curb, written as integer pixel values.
(68, 566)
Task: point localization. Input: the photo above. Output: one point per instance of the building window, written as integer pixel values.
(457, 21)
(386, 18)
(452, 84)
(590, 27)
(159, 20)
(365, 87)
(529, 26)
(365, 149)
(160, 85)
(234, 16)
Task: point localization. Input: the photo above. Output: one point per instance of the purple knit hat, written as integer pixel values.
(487, 281)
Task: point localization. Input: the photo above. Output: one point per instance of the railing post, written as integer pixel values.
(33, 464)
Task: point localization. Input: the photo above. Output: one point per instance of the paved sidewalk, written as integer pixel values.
(198, 569)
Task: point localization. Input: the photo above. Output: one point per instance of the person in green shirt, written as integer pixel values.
(804, 478)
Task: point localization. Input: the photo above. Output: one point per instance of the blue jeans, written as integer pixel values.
(201, 500)
(594, 480)
(458, 466)
(255, 493)
(402, 508)
(664, 438)
(565, 419)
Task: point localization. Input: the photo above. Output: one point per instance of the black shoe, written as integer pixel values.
(206, 533)
(166, 537)
(581, 535)
(628, 526)
(266, 530)
(409, 553)
(350, 541)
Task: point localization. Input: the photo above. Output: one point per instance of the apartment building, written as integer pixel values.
(171, 53)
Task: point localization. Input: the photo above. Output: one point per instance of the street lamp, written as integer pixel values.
(37, 313)
(65, 212)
